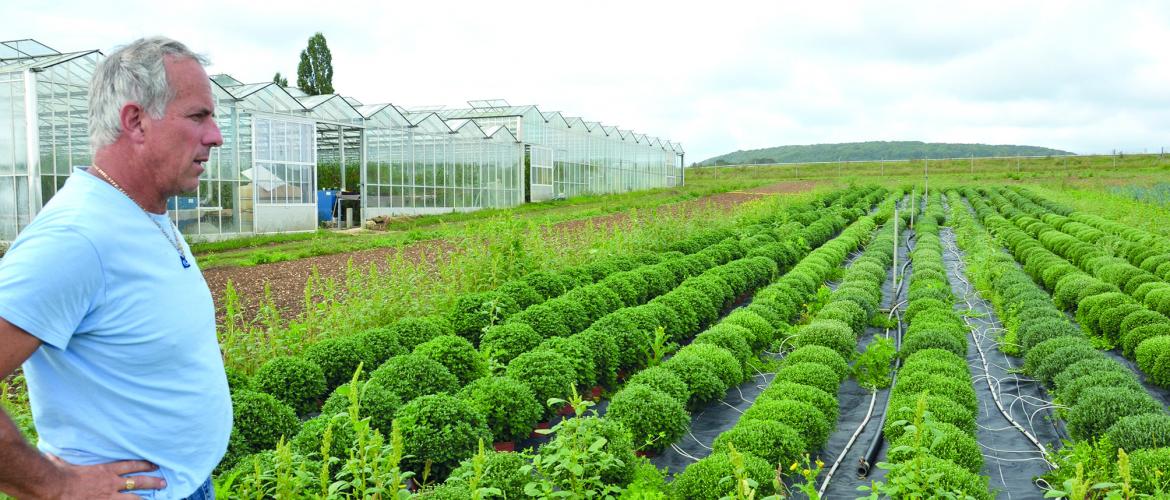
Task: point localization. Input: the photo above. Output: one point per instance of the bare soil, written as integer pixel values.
(286, 280)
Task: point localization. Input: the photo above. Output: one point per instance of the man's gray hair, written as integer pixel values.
(133, 73)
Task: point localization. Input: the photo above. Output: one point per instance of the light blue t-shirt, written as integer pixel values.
(129, 367)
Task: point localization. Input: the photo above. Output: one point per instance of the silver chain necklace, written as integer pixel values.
(172, 238)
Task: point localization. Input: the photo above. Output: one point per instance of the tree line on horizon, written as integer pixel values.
(875, 151)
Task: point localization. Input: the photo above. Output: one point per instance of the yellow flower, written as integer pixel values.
(794, 466)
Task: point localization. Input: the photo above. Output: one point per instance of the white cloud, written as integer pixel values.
(1083, 76)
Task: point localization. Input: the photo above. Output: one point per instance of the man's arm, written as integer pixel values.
(29, 474)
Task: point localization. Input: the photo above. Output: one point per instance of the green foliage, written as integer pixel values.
(781, 390)
(942, 409)
(664, 380)
(375, 402)
(1137, 432)
(1098, 408)
(440, 430)
(279, 80)
(1070, 392)
(547, 373)
(522, 293)
(413, 375)
(410, 332)
(720, 360)
(810, 374)
(510, 407)
(337, 357)
(1040, 352)
(295, 381)
(770, 440)
(456, 354)
(315, 71)
(810, 423)
(1153, 357)
(379, 345)
(941, 440)
(703, 383)
(1132, 339)
(475, 312)
(835, 335)
(312, 435)
(872, 367)
(730, 338)
(504, 342)
(712, 478)
(501, 470)
(586, 457)
(260, 421)
(813, 353)
(579, 355)
(654, 418)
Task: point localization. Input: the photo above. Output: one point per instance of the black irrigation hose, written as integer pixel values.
(875, 445)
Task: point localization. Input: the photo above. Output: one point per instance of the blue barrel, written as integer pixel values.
(326, 198)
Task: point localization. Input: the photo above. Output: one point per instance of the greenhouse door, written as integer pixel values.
(283, 178)
(541, 179)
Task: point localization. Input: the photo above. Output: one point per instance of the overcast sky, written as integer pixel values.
(1087, 77)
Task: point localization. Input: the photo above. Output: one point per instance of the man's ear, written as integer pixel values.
(133, 123)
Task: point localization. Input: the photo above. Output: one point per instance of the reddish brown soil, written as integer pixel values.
(286, 280)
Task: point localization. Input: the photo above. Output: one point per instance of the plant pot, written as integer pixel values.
(566, 411)
(645, 453)
(504, 445)
(595, 393)
(539, 426)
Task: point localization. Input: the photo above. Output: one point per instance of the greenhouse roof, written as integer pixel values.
(331, 107)
(18, 49)
(39, 63)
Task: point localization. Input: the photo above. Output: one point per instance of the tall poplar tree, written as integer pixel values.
(315, 72)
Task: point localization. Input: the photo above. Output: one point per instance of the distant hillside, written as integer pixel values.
(876, 150)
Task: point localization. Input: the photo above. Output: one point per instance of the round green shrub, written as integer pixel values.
(924, 305)
(312, 435)
(542, 318)
(604, 350)
(828, 333)
(456, 354)
(236, 378)
(1141, 318)
(775, 319)
(847, 311)
(452, 490)
(1033, 331)
(958, 390)
(945, 441)
(505, 342)
(441, 429)
(338, 359)
(379, 345)
(772, 441)
(654, 418)
(1067, 289)
(1138, 432)
(711, 477)
(662, 379)
(942, 408)
(1134, 338)
(722, 362)
(760, 332)
(1153, 356)
(822, 355)
(375, 402)
(472, 313)
(579, 356)
(1062, 358)
(731, 339)
(952, 479)
(780, 390)
(703, 383)
(596, 300)
(547, 373)
(810, 374)
(632, 341)
(573, 313)
(501, 470)
(260, 420)
(1098, 408)
(412, 375)
(509, 407)
(809, 422)
(1151, 469)
(296, 381)
(924, 340)
(1040, 352)
(522, 293)
(547, 284)
(623, 284)
(1086, 367)
(410, 332)
(936, 368)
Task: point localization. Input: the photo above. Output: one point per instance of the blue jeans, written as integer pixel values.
(205, 492)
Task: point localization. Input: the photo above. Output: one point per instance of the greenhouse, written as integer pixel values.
(286, 155)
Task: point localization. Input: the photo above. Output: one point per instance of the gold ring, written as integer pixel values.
(129, 484)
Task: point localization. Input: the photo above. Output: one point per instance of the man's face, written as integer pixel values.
(178, 143)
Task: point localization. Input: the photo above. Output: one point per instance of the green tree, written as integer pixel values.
(315, 72)
(280, 79)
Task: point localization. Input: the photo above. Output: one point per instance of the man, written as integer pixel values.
(102, 302)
